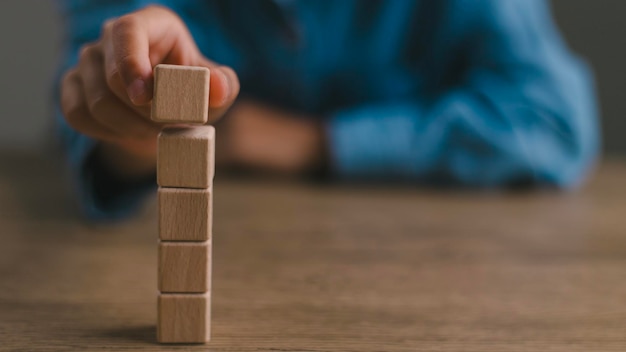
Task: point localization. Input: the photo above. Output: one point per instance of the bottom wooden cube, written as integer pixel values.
(184, 318)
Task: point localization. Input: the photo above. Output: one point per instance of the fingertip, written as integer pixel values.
(139, 91)
(233, 81)
(219, 93)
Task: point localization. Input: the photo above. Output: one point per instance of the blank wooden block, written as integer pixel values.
(186, 157)
(184, 318)
(181, 94)
(185, 214)
(184, 267)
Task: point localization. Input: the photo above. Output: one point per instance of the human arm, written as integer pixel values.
(105, 93)
(523, 112)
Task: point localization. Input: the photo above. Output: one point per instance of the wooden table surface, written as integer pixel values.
(326, 268)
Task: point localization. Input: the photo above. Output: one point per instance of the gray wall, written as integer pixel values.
(596, 29)
(29, 34)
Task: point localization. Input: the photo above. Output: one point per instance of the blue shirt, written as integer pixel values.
(480, 93)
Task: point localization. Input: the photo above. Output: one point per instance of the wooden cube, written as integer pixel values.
(181, 94)
(185, 214)
(186, 157)
(184, 267)
(184, 318)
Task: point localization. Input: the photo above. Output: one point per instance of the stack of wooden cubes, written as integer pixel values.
(185, 169)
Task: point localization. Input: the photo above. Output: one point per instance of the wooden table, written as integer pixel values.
(326, 268)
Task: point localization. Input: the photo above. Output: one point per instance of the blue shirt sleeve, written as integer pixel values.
(82, 20)
(524, 112)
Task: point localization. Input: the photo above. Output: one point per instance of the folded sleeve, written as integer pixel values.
(523, 112)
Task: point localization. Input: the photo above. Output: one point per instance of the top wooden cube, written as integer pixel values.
(181, 94)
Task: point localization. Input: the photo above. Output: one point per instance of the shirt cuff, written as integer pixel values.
(106, 196)
(101, 194)
(374, 143)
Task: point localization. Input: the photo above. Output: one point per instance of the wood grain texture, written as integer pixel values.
(184, 267)
(186, 157)
(181, 94)
(184, 318)
(185, 214)
(302, 267)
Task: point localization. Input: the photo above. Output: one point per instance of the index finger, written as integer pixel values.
(134, 43)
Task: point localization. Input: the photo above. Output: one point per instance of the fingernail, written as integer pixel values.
(137, 91)
(217, 99)
(228, 79)
(228, 73)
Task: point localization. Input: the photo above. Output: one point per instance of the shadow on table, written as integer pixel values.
(143, 334)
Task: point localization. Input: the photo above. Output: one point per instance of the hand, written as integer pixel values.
(107, 95)
(256, 136)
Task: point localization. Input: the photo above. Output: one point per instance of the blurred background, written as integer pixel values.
(30, 34)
